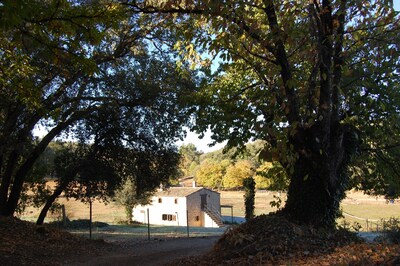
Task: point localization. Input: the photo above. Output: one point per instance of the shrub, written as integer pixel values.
(392, 230)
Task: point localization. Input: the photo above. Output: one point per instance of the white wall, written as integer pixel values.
(191, 203)
(166, 207)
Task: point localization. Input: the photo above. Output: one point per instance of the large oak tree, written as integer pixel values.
(74, 65)
(318, 80)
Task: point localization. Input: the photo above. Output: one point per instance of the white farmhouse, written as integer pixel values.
(182, 206)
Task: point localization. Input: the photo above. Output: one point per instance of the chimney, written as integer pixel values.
(194, 183)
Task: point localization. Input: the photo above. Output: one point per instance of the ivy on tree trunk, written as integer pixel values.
(249, 186)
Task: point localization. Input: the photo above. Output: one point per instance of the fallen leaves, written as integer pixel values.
(265, 240)
(24, 243)
(272, 240)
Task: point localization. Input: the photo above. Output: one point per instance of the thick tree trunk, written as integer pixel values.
(319, 180)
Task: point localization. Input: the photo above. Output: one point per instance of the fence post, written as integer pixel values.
(187, 222)
(90, 219)
(64, 215)
(148, 224)
(367, 225)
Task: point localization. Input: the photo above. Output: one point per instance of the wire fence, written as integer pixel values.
(366, 224)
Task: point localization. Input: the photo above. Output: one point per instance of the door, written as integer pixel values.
(203, 201)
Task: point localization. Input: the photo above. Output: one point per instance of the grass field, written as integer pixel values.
(357, 207)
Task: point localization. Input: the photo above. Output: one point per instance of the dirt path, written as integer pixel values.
(153, 252)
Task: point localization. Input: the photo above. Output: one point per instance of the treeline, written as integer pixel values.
(226, 170)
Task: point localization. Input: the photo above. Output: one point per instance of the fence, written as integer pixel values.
(112, 233)
(365, 224)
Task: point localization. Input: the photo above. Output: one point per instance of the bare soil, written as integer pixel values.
(144, 252)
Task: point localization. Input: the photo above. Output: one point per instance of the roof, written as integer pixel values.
(186, 178)
(177, 191)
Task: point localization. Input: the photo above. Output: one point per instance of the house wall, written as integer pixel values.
(177, 211)
(208, 221)
(213, 200)
(194, 209)
(166, 212)
(195, 214)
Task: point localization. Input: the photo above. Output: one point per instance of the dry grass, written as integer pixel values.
(356, 203)
(262, 202)
(104, 212)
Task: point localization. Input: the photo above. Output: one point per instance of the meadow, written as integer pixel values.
(357, 208)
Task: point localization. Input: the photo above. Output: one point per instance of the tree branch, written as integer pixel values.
(293, 114)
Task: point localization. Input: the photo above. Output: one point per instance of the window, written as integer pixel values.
(176, 201)
(169, 217)
(159, 200)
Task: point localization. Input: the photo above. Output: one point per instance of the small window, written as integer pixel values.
(159, 200)
(176, 201)
(197, 218)
(169, 217)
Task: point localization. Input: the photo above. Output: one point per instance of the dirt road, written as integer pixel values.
(153, 252)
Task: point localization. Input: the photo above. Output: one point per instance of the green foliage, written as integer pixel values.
(392, 230)
(127, 197)
(277, 202)
(190, 159)
(262, 182)
(88, 72)
(274, 175)
(249, 197)
(317, 82)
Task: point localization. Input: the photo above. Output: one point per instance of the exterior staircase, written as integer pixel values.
(215, 216)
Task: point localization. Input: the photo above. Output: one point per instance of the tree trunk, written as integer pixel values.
(57, 192)
(8, 208)
(319, 179)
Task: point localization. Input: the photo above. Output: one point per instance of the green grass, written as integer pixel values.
(128, 232)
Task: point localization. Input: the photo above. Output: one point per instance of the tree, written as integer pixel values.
(210, 174)
(236, 173)
(127, 197)
(262, 181)
(83, 174)
(190, 159)
(317, 80)
(69, 65)
(147, 170)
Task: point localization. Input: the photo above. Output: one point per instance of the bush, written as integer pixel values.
(392, 230)
(79, 224)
